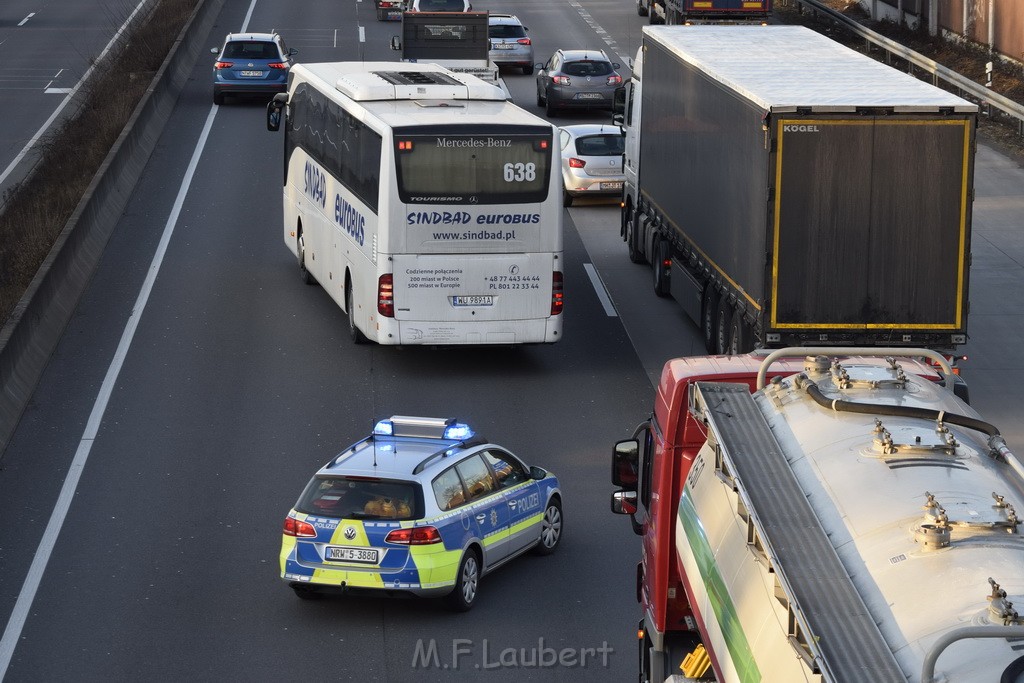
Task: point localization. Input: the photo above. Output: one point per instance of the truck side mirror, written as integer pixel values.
(619, 103)
(618, 119)
(624, 502)
(396, 42)
(274, 109)
(626, 464)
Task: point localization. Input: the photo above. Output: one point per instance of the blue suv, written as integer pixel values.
(251, 64)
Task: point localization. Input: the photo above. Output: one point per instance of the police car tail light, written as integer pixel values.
(295, 527)
(418, 535)
(556, 293)
(386, 295)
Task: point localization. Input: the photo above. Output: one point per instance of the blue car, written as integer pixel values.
(422, 506)
(251, 64)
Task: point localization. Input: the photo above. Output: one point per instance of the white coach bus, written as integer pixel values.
(424, 202)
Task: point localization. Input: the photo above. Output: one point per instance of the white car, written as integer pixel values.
(591, 160)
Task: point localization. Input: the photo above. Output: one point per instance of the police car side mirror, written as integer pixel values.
(538, 472)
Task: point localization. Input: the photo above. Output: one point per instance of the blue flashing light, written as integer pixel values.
(458, 431)
(384, 428)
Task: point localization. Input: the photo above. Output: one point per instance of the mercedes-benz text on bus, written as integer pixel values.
(426, 204)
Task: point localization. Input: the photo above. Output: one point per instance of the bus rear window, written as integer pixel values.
(492, 168)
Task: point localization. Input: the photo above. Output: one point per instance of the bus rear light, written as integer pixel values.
(556, 293)
(576, 163)
(295, 527)
(405, 145)
(386, 295)
(417, 535)
(223, 65)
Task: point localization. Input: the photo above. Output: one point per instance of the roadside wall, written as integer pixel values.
(37, 322)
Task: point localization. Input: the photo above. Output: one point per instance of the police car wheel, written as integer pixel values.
(466, 583)
(550, 528)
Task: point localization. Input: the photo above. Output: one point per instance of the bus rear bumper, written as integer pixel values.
(484, 333)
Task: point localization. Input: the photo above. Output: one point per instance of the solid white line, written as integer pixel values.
(25, 20)
(56, 91)
(362, 34)
(12, 633)
(602, 293)
(39, 133)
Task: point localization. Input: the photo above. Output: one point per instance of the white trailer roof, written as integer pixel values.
(783, 68)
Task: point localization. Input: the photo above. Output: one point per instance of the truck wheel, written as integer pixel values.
(659, 255)
(741, 335)
(353, 332)
(632, 230)
(722, 326)
(641, 8)
(709, 316)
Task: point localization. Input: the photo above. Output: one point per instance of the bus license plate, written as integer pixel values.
(479, 300)
(343, 554)
(251, 73)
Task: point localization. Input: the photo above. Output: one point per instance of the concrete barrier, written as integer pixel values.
(38, 320)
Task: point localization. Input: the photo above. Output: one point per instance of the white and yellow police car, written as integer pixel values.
(421, 506)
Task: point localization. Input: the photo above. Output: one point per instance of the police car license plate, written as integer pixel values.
(334, 553)
(250, 73)
(477, 300)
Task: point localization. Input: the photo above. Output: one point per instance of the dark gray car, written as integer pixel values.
(577, 79)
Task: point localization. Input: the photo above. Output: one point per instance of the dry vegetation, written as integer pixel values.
(964, 58)
(36, 210)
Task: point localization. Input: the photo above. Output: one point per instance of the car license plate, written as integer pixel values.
(504, 46)
(477, 300)
(334, 553)
(588, 96)
(614, 185)
(250, 73)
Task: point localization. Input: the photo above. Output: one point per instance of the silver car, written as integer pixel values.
(591, 160)
(577, 79)
(509, 44)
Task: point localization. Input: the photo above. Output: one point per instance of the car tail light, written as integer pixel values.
(417, 535)
(614, 80)
(295, 527)
(223, 65)
(277, 65)
(576, 163)
(560, 80)
(386, 295)
(556, 293)
(523, 41)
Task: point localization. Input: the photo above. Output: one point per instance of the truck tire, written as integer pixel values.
(632, 231)
(722, 326)
(709, 315)
(741, 335)
(659, 254)
(641, 8)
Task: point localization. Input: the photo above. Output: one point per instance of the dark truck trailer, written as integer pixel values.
(789, 191)
(702, 11)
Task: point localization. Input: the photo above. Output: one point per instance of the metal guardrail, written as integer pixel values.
(979, 92)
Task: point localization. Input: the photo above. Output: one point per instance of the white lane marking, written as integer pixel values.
(25, 20)
(598, 29)
(602, 292)
(335, 37)
(362, 34)
(57, 91)
(67, 492)
(39, 133)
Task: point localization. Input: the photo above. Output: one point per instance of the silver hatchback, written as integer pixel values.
(591, 160)
(509, 44)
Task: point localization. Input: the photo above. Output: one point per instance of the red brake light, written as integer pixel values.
(576, 163)
(614, 80)
(560, 80)
(556, 293)
(223, 65)
(386, 295)
(277, 65)
(417, 535)
(523, 41)
(405, 145)
(295, 527)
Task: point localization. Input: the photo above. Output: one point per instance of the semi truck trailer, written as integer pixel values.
(704, 11)
(788, 191)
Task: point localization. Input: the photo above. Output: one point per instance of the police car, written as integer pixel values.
(421, 506)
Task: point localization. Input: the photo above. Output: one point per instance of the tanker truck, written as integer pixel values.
(789, 191)
(826, 515)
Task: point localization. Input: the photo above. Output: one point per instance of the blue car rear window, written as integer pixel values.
(250, 49)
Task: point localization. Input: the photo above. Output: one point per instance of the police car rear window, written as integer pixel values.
(361, 498)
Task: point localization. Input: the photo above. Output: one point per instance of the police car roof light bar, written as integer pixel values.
(422, 427)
